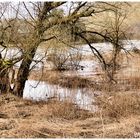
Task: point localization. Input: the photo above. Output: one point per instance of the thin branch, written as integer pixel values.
(23, 17)
(78, 8)
(28, 11)
(47, 39)
(100, 57)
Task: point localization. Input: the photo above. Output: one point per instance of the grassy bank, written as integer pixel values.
(53, 119)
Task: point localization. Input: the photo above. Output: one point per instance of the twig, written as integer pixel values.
(42, 133)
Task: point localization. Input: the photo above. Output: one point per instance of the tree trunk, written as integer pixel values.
(24, 69)
(4, 78)
(4, 84)
(23, 73)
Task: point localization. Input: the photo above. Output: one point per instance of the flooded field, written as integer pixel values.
(69, 69)
(83, 97)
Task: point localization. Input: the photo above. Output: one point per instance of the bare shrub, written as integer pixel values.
(59, 60)
(65, 59)
(75, 59)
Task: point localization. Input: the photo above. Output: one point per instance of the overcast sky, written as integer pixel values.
(10, 12)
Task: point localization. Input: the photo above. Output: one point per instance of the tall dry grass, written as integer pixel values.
(67, 110)
(119, 105)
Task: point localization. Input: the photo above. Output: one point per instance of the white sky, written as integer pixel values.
(10, 12)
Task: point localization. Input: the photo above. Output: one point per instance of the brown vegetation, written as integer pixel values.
(117, 105)
(27, 119)
(120, 104)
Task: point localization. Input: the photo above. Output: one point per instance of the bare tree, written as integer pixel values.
(36, 21)
(26, 31)
(112, 29)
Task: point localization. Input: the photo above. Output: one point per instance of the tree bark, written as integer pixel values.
(4, 78)
(4, 84)
(23, 73)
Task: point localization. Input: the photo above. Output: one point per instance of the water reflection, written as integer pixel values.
(43, 91)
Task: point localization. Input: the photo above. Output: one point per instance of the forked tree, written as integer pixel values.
(38, 20)
(27, 30)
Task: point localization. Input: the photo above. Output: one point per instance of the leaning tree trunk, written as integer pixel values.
(24, 69)
(23, 73)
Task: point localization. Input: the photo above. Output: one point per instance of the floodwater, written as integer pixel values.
(84, 98)
(38, 91)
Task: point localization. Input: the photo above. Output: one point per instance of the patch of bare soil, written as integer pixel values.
(53, 119)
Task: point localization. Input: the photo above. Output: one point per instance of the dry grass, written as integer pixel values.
(54, 119)
(117, 105)
(59, 78)
(134, 81)
(68, 111)
(57, 109)
(25, 119)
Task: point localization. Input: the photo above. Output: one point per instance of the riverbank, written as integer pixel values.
(53, 119)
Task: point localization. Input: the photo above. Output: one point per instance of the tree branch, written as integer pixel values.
(47, 39)
(99, 56)
(78, 8)
(69, 18)
(48, 6)
(28, 11)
